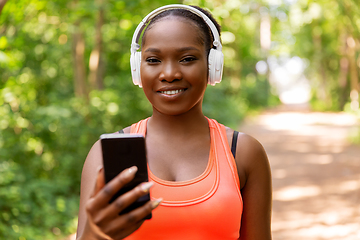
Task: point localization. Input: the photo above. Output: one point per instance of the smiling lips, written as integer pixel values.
(172, 92)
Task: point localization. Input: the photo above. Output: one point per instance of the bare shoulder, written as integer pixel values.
(127, 129)
(250, 151)
(251, 157)
(94, 157)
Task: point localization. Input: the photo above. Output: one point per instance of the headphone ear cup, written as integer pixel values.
(211, 66)
(135, 61)
(216, 63)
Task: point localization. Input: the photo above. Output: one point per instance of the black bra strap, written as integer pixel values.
(121, 131)
(234, 143)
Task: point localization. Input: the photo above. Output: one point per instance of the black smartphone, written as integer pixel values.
(121, 151)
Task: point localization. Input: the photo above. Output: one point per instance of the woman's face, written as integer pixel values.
(174, 68)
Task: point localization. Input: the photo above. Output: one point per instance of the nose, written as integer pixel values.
(170, 71)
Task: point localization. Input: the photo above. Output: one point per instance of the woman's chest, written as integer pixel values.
(177, 160)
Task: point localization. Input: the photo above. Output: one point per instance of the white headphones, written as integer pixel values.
(215, 59)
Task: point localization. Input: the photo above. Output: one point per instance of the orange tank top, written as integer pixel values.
(206, 207)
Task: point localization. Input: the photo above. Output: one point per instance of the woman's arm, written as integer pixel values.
(256, 189)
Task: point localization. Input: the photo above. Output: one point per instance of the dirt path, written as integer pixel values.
(316, 173)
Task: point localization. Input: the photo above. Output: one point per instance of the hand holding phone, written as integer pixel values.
(121, 151)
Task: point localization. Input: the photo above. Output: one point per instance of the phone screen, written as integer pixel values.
(121, 151)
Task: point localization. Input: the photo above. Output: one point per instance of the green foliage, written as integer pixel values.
(46, 132)
(325, 32)
(224, 106)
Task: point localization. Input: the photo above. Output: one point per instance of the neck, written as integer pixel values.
(189, 122)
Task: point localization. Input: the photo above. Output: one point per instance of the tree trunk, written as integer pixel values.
(354, 77)
(344, 71)
(324, 95)
(95, 62)
(2, 4)
(322, 90)
(79, 63)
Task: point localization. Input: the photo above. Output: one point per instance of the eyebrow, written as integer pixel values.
(156, 50)
(184, 49)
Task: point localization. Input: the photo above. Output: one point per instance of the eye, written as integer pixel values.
(152, 60)
(188, 59)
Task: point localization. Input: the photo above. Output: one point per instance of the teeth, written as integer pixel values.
(172, 92)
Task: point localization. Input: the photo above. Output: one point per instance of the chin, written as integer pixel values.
(178, 110)
(170, 112)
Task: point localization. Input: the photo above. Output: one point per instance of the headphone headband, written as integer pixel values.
(135, 40)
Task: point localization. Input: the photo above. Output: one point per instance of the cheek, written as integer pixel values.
(148, 93)
(145, 74)
(201, 72)
(147, 83)
(148, 69)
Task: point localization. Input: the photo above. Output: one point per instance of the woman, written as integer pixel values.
(207, 181)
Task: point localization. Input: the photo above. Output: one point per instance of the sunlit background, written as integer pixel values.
(291, 79)
(315, 172)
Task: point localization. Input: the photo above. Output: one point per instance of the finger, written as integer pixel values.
(140, 213)
(128, 221)
(127, 199)
(105, 217)
(126, 232)
(107, 192)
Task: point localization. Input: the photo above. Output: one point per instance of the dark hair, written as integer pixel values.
(206, 36)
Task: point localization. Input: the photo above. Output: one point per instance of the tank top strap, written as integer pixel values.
(222, 139)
